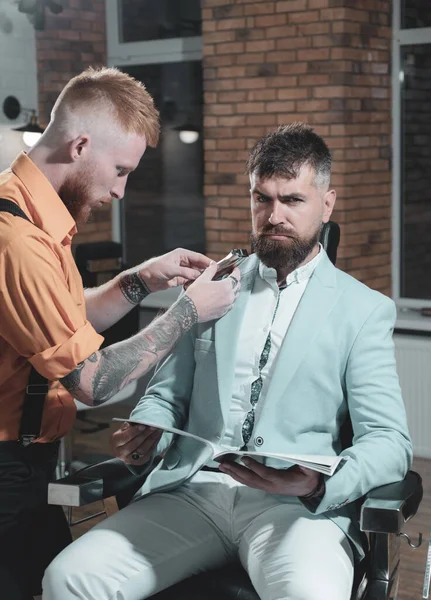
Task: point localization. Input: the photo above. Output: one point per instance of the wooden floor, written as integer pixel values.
(412, 561)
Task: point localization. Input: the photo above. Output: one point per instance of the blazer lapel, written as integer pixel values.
(227, 332)
(310, 316)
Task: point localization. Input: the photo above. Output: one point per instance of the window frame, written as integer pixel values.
(122, 54)
(400, 38)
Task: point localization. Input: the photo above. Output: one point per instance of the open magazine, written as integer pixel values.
(323, 464)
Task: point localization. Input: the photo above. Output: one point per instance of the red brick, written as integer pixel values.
(283, 31)
(230, 97)
(281, 56)
(230, 144)
(255, 95)
(270, 119)
(219, 37)
(253, 58)
(229, 24)
(288, 6)
(235, 213)
(270, 20)
(212, 213)
(318, 4)
(230, 72)
(292, 68)
(220, 109)
(249, 83)
(311, 29)
(309, 16)
(260, 8)
(260, 46)
(233, 121)
(293, 93)
(293, 43)
(312, 54)
(280, 107)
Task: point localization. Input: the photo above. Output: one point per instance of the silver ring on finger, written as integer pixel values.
(136, 456)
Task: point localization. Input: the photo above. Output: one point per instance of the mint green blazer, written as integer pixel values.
(337, 358)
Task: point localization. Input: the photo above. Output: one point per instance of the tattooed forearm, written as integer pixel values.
(118, 362)
(164, 332)
(117, 365)
(72, 381)
(134, 288)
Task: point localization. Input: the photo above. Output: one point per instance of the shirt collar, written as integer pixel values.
(44, 204)
(297, 276)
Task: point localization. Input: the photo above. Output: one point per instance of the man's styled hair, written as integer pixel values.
(132, 106)
(283, 152)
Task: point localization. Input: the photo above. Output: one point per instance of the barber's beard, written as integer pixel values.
(288, 253)
(75, 193)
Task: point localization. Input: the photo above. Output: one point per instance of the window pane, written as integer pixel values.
(143, 20)
(415, 13)
(163, 206)
(416, 172)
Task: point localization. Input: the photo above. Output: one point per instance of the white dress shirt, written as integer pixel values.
(257, 322)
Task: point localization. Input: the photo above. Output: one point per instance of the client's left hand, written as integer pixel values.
(296, 481)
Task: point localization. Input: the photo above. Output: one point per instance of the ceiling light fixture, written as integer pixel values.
(188, 134)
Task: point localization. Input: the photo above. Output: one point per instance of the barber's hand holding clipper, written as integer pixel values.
(213, 299)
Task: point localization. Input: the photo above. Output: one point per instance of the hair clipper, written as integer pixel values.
(229, 262)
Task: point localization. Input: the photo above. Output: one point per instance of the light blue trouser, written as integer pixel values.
(163, 538)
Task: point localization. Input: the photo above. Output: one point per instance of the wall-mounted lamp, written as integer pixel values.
(35, 10)
(188, 134)
(32, 131)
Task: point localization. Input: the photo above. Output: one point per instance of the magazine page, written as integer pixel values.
(170, 430)
(323, 464)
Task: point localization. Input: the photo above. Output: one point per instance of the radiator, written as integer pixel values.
(413, 355)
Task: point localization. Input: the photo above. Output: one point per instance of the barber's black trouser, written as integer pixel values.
(32, 533)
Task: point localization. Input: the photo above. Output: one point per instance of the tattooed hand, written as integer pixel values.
(213, 299)
(172, 269)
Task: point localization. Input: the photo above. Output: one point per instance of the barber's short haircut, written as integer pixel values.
(132, 106)
(286, 150)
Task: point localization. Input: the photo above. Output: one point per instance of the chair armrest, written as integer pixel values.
(388, 507)
(96, 482)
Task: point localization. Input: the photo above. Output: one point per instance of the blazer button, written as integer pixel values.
(258, 440)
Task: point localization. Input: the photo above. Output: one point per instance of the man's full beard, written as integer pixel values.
(288, 254)
(75, 193)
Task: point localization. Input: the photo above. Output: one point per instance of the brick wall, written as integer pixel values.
(72, 41)
(324, 62)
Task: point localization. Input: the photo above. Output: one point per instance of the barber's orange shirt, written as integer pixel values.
(42, 307)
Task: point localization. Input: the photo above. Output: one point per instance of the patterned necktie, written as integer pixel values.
(256, 386)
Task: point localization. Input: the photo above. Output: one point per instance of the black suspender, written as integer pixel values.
(12, 208)
(37, 386)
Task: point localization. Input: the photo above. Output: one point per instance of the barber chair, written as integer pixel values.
(383, 511)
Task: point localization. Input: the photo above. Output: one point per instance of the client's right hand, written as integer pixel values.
(135, 444)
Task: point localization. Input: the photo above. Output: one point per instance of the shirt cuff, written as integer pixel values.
(60, 360)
